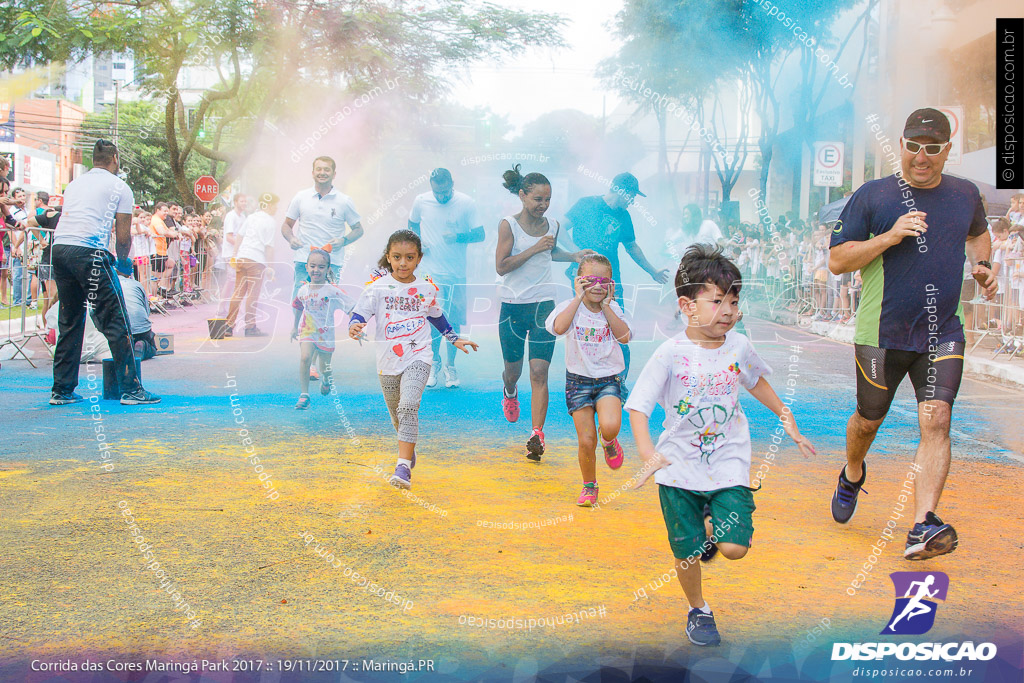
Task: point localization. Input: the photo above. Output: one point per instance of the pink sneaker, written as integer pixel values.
(510, 406)
(535, 445)
(612, 453)
(588, 496)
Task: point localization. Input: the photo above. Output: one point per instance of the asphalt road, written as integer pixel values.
(250, 566)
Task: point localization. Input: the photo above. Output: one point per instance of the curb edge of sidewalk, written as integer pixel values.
(975, 366)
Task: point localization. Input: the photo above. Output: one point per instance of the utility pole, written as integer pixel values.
(117, 94)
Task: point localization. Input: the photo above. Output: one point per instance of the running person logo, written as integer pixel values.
(916, 593)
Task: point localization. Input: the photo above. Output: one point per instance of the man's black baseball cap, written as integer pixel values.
(627, 183)
(928, 123)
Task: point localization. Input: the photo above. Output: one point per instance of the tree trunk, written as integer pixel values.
(174, 152)
(766, 161)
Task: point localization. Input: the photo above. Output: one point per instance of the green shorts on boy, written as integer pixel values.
(702, 458)
(706, 438)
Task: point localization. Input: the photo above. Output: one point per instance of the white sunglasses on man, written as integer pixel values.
(930, 149)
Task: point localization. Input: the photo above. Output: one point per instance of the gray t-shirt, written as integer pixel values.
(137, 303)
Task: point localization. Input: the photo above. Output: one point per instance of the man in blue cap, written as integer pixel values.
(602, 223)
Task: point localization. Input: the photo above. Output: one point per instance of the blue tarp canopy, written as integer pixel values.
(830, 212)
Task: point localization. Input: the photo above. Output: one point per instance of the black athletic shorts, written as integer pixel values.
(935, 376)
(519, 322)
(159, 262)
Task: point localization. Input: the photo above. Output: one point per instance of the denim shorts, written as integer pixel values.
(583, 392)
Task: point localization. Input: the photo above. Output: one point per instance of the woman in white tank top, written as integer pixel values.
(526, 248)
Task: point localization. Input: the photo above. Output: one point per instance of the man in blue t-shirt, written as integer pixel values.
(602, 223)
(910, 320)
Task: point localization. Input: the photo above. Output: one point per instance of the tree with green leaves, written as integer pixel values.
(143, 149)
(675, 49)
(269, 57)
(692, 50)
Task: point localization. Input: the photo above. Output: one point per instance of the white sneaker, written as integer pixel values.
(451, 378)
(432, 380)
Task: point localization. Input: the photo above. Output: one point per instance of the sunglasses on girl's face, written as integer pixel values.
(597, 280)
(929, 149)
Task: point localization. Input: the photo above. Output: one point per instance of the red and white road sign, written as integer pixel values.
(206, 189)
(828, 164)
(955, 114)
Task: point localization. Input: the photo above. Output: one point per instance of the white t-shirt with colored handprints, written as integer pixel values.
(591, 349)
(400, 310)
(318, 304)
(706, 437)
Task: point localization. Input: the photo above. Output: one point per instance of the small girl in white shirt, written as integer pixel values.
(595, 326)
(404, 305)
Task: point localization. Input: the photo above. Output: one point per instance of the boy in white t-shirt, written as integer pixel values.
(594, 326)
(702, 461)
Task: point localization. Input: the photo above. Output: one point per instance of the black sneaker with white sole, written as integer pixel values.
(139, 398)
(844, 499)
(930, 538)
(58, 398)
(701, 628)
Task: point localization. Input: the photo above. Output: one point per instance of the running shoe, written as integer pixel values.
(701, 628)
(432, 379)
(535, 445)
(844, 500)
(588, 496)
(451, 378)
(255, 332)
(402, 478)
(303, 402)
(139, 398)
(709, 549)
(59, 398)
(930, 538)
(612, 453)
(314, 376)
(326, 385)
(510, 406)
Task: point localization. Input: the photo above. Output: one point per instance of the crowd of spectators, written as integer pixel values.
(178, 254)
(785, 262)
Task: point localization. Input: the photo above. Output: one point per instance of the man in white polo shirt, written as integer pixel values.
(446, 221)
(232, 222)
(229, 241)
(254, 251)
(321, 212)
(83, 268)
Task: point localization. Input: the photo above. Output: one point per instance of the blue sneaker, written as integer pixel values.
(701, 628)
(58, 398)
(930, 538)
(402, 478)
(844, 500)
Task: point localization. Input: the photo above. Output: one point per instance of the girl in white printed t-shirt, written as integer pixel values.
(527, 244)
(594, 326)
(403, 303)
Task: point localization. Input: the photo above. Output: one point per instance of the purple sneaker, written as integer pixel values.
(402, 478)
